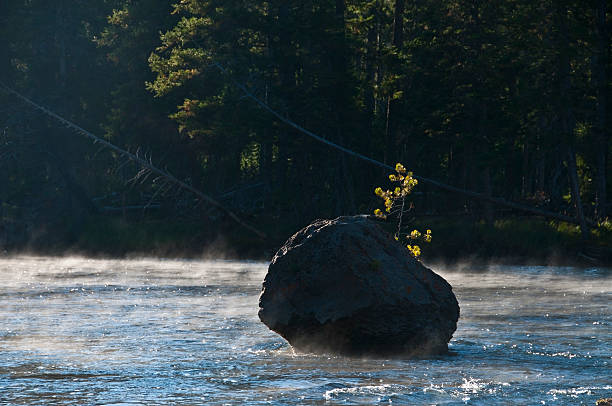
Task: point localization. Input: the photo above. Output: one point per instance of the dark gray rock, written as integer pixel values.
(346, 286)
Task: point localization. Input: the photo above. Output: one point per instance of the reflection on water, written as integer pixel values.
(80, 331)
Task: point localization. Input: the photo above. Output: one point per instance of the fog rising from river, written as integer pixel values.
(82, 331)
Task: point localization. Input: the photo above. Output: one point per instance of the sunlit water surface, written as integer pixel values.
(81, 331)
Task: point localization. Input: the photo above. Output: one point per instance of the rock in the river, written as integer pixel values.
(346, 286)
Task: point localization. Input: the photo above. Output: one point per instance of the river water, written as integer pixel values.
(143, 332)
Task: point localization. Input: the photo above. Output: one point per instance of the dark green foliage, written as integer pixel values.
(508, 98)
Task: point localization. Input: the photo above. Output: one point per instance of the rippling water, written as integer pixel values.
(103, 332)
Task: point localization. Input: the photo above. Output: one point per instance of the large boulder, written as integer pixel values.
(346, 286)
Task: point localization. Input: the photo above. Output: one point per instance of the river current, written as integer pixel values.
(145, 332)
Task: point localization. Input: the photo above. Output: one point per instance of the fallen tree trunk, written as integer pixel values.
(142, 162)
(475, 195)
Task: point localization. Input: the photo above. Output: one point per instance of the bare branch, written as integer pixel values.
(142, 162)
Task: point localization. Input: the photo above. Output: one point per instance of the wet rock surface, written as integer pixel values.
(346, 286)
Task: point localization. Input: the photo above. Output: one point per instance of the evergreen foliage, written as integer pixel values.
(507, 98)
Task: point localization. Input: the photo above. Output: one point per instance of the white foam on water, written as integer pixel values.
(369, 390)
(576, 392)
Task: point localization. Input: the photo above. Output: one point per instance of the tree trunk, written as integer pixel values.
(527, 178)
(370, 63)
(265, 157)
(286, 72)
(398, 23)
(341, 105)
(488, 190)
(60, 40)
(566, 117)
(600, 59)
(394, 104)
(575, 187)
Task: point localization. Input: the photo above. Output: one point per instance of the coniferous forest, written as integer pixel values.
(503, 108)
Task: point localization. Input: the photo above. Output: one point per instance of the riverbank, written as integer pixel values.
(516, 240)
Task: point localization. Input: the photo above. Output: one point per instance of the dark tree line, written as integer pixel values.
(506, 98)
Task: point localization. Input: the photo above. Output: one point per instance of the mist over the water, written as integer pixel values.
(149, 331)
